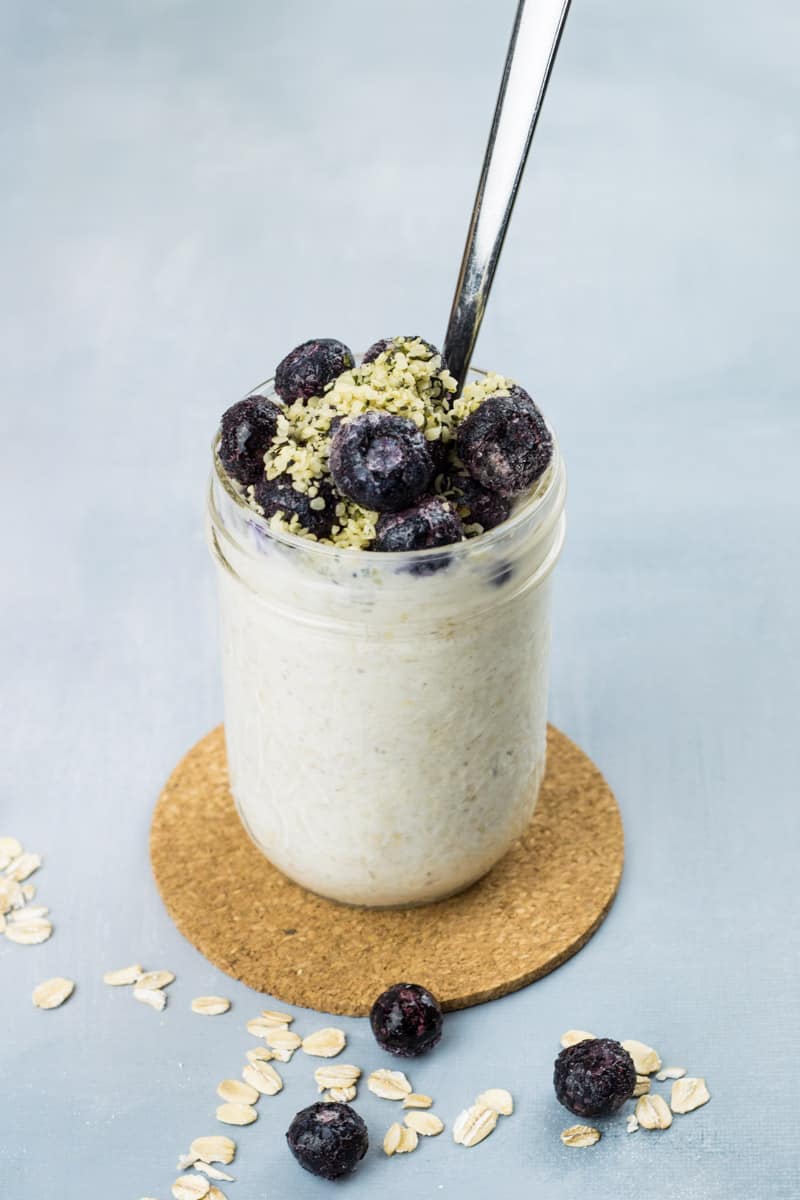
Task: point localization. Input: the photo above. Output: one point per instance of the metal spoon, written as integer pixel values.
(531, 54)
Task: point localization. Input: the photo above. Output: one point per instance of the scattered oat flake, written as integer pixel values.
(325, 1043)
(652, 1112)
(215, 1194)
(53, 992)
(156, 979)
(573, 1036)
(671, 1073)
(645, 1059)
(190, 1187)
(212, 1172)
(259, 1054)
(124, 976)
(10, 849)
(426, 1123)
(210, 1006)
(283, 1039)
(23, 866)
(28, 891)
(393, 1138)
(336, 1075)
(473, 1125)
(417, 1100)
(633, 1124)
(152, 996)
(642, 1086)
(215, 1148)
(276, 1019)
(11, 895)
(342, 1095)
(29, 933)
(283, 1056)
(498, 1099)
(409, 1140)
(263, 1078)
(259, 1028)
(237, 1092)
(580, 1135)
(389, 1085)
(29, 912)
(688, 1094)
(236, 1114)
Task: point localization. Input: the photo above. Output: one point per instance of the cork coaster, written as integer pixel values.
(534, 910)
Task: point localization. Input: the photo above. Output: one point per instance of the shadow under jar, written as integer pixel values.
(385, 721)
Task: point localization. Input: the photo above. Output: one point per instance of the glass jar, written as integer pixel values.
(385, 714)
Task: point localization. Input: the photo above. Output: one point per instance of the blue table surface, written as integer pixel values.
(189, 189)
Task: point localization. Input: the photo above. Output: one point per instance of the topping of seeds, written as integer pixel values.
(30, 932)
(22, 866)
(237, 1092)
(498, 1099)
(210, 1006)
(215, 1148)
(689, 1094)
(393, 1138)
(336, 1075)
(573, 1036)
(124, 976)
(645, 1058)
(325, 1043)
(671, 1073)
(642, 1086)
(418, 1100)
(426, 1123)
(190, 1187)
(580, 1135)
(652, 1112)
(473, 1125)
(152, 996)
(389, 1085)
(263, 1077)
(236, 1114)
(53, 992)
(283, 1039)
(156, 979)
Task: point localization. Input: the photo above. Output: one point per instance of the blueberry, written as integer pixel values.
(246, 432)
(378, 348)
(432, 522)
(406, 1020)
(328, 1139)
(505, 444)
(381, 461)
(279, 496)
(594, 1077)
(306, 370)
(476, 503)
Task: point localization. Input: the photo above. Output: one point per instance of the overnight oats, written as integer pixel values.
(385, 547)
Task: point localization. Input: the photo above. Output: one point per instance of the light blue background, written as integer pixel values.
(189, 189)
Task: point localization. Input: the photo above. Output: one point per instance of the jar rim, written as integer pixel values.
(549, 488)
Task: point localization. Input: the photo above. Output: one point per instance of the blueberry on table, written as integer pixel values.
(594, 1077)
(306, 370)
(328, 1140)
(317, 513)
(486, 508)
(505, 444)
(246, 432)
(378, 348)
(432, 522)
(406, 1020)
(381, 461)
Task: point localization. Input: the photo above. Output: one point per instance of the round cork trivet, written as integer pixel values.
(534, 910)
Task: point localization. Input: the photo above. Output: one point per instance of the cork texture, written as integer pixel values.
(534, 910)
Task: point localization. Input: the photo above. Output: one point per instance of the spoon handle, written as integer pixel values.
(531, 54)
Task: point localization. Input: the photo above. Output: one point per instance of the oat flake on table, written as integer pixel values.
(580, 1135)
(191, 1187)
(325, 1043)
(124, 976)
(236, 1114)
(154, 997)
(497, 1098)
(417, 1100)
(689, 1094)
(53, 992)
(212, 1172)
(237, 1092)
(425, 1123)
(29, 933)
(263, 1077)
(652, 1112)
(214, 1148)
(336, 1075)
(573, 1036)
(156, 980)
(646, 1060)
(389, 1085)
(210, 1006)
(473, 1125)
(671, 1073)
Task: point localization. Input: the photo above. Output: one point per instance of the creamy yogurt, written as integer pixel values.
(385, 722)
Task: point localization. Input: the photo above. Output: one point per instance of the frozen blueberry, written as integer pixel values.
(246, 432)
(378, 348)
(406, 1020)
(505, 444)
(487, 508)
(594, 1077)
(381, 461)
(278, 495)
(432, 522)
(328, 1139)
(309, 367)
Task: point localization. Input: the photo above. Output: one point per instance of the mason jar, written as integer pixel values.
(385, 714)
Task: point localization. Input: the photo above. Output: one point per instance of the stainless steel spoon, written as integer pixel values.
(531, 54)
